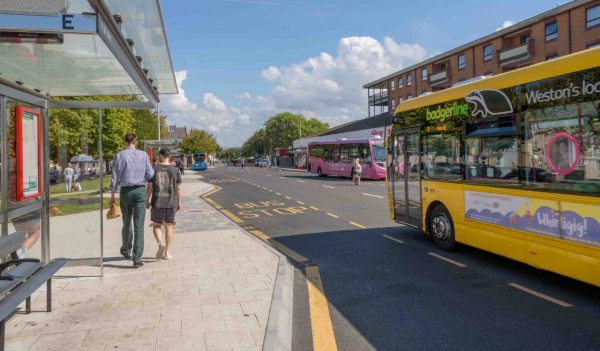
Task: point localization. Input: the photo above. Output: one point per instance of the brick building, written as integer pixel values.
(565, 29)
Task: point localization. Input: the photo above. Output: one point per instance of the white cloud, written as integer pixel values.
(327, 86)
(505, 24)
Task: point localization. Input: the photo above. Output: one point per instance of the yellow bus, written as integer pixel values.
(508, 164)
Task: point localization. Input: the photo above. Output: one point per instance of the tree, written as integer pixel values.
(199, 141)
(280, 131)
(144, 126)
(229, 154)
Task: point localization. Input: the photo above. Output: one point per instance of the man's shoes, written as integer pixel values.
(161, 252)
(138, 264)
(126, 255)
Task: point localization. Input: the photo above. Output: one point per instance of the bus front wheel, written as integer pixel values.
(319, 172)
(441, 228)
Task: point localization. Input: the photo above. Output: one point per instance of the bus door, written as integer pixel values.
(405, 180)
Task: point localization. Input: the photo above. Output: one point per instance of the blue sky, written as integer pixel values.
(241, 61)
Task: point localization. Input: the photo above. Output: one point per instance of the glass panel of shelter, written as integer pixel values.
(75, 177)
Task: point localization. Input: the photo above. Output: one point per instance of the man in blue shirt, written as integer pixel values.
(131, 169)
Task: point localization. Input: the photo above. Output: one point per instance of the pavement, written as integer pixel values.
(223, 290)
(383, 286)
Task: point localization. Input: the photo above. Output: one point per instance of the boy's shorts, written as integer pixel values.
(162, 215)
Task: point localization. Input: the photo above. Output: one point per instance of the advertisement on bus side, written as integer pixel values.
(559, 219)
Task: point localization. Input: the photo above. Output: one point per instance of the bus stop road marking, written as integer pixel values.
(328, 186)
(357, 225)
(456, 263)
(393, 239)
(332, 215)
(213, 203)
(321, 326)
(377, 196)
(540, 295)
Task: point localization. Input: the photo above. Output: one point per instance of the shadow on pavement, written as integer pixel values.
(388, 296)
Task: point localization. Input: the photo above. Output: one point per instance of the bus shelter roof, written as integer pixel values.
(62, 48)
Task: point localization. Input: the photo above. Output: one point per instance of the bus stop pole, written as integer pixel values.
(158, 118)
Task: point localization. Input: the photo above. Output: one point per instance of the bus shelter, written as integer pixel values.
(70, 55)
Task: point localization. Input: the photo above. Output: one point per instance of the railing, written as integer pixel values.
(438, 77)
(515, 55)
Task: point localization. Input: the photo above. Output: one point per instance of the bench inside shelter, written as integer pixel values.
(20, 278)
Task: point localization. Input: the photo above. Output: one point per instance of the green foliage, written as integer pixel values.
(199, 141)
(280, 131)
(229, 154)
(144, 126)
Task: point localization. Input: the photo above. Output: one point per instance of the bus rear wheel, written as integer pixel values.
(319, 172)
(441, 228)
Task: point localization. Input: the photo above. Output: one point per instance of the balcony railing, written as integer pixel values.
(439, 78)
(380, 99)
(516, 55)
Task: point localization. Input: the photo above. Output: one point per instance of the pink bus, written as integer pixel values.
(336, 157)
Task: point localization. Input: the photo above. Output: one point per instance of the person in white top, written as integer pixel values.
(69, 174)
(357, 171)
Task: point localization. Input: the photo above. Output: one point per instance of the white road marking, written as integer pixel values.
(377, 196)
(328, 186)
(540, 295)
(393, 239)
(301, 181)
(332, 215)
(269, 175)
(314, 208)
(456, 263)
(282, 177)
(300, 202)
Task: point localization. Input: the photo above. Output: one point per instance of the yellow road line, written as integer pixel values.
(217, 188)
(301, 203)
(540, 295)
(393, 239)
(332, 215)
(320, 320)
(280, 247)
(233, 217)
(357, 225)
(314, 208)
(213, 203)
(456, 263)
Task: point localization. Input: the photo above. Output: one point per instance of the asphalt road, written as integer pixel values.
(388, 287)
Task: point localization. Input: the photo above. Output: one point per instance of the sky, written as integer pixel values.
(239, 62)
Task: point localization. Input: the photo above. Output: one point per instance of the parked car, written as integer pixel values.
(261, 162)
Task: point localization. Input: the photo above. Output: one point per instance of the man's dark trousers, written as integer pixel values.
(133, 203)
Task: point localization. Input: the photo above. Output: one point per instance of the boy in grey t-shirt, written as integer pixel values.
(164, 201)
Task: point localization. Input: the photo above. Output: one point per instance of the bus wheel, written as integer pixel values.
(441, 228)
(319, 172)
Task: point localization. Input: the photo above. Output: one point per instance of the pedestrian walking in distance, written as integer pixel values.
(130, 171)
(164, 200)
(357, 170)
(242, 163)
(69, 174)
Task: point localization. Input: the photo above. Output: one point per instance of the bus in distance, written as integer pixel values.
(335, 157)
(509, 164)
(199, 162)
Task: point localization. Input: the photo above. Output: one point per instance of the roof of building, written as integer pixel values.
(177, 133)
(514, 28)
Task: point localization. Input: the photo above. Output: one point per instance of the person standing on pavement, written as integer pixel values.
(131, 171)
(242, 163)
(165, 200)
(356, 171)
(69, 173)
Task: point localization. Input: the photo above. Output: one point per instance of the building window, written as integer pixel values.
(551, 31)
(551, 56)
(593, 16)
(400, 100)
(461, 61)
(408, 97)
(523, 39)
(487, 52)
(392, 85)
(589, 46)
(393, 105)
(408, 80)
(400, 82)
(424, 74)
